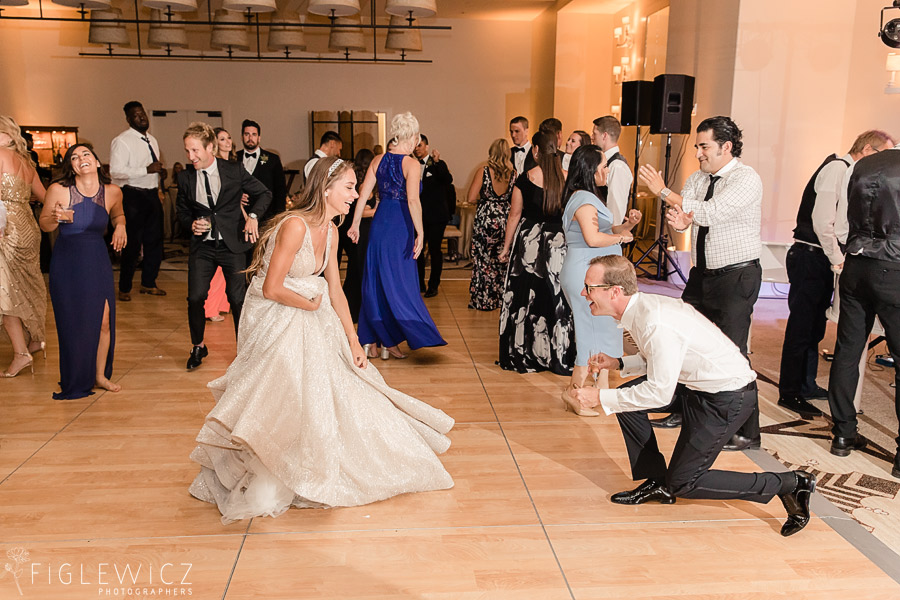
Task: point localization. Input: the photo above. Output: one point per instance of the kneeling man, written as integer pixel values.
(677, 346)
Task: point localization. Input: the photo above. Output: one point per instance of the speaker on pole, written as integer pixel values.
(673, 101)
(637, 97)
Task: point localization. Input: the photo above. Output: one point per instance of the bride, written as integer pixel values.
(301, 418)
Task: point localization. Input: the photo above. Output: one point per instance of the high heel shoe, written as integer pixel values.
(30, 363)
(387, 353)
(371, 350)
(570, 404)
(42, 349)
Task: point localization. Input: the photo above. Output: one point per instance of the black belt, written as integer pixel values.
(734, 267)
(805, 246)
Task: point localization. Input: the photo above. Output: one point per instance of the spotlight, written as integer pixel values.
(890, 31)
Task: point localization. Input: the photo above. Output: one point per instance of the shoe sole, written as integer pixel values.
(895, 472)
(844, 452)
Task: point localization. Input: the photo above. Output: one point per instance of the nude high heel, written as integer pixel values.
(42, 350)
(570, 404)
(30, 363)
(387, 353)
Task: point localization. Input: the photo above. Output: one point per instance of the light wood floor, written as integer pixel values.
(90, 487)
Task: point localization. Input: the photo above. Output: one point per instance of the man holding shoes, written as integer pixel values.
(680, 348)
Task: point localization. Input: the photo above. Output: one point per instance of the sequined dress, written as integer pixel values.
(296, 423)
(22, 290)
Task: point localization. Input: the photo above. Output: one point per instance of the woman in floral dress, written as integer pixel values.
(492, 192)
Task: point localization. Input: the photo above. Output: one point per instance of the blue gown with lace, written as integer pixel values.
(392, 309)
(81, 284)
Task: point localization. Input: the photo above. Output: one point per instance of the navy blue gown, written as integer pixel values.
(392, 309)
(81, 283)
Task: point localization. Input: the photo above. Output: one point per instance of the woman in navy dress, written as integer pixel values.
(392, 309)
(590, 232)
(81, 203)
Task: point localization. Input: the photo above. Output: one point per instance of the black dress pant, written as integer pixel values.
(434, 239)
(868, 288)
(812, 284)
(203, 260)
(710, 420)
(144, 227)
(727, 300)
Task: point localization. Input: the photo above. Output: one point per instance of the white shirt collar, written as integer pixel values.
(628, 314)
(731, 164)
(848, 158)
(609, 153)
(526, 145)
(140, 135)
(212, 169)
(321, 154)
(257, 151)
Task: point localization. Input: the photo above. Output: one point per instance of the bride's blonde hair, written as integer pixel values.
(310, 205)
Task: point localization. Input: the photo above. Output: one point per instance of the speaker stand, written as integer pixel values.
(664, 262)
(633, 247)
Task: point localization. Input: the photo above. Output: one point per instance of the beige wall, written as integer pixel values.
(463, 100)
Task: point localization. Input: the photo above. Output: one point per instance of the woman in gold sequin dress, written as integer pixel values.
(301, 418)
(23, 296)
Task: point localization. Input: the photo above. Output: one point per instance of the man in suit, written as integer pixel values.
(330, 144)
(209, 205)
(265, 166)
(553, 127)
(437, 196)
(522, 158)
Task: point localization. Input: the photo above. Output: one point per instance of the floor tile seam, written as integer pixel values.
(237, 559)
(95, 539)
(512, 455)
(74, 418)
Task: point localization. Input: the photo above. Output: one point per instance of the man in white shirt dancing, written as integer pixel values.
(605, 134)
(679, 347)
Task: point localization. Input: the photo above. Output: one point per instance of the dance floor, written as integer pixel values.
(94, 502)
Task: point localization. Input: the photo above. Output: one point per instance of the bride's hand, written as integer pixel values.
(359, 355)
(315, 302)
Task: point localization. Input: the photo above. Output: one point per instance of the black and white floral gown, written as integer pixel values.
(486, 287)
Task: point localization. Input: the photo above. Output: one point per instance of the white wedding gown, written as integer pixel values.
(297, 423)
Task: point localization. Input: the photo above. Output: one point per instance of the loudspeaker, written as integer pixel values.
(673, 101)
(637, 99)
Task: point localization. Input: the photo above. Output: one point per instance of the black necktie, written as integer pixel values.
(212, 205)
(703, 231)
(149, 145)
(517, 149)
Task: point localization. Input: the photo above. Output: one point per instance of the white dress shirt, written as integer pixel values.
(824, 214)
(618, 185)
(250, 162)
(676, 344)
(733, 214)
(519, 158)
(215, 186)
(312, 162)
(129, 157)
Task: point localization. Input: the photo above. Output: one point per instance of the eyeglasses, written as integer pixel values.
(601, 286)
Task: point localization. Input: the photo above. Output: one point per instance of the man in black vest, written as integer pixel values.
(605, 134)
(870, 287)
(265, 166)
(809, 268)
(437, 197)
(209, 205)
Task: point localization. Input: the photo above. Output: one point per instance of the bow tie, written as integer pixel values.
(423, 160)
(250, 155)
(517, 149)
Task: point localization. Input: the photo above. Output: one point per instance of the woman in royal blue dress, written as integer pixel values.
(81, 203)
(392, 309)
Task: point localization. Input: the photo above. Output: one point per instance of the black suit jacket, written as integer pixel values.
(226, 214)
(269, 171)
(438, 194)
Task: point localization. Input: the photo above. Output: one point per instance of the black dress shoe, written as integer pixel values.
(800, 406)
(843, 446)
(820, 393)
(895, 471)
(431, 292)
(649, 491)
(739, 442)
(796, 503)
(198, 353)
(670, 422)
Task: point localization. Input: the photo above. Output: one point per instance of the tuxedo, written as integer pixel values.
(438, 199)
(224, 246)
(270, 172)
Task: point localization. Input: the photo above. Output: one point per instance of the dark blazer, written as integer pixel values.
(226, 214)
(438, 193)
(270, 171)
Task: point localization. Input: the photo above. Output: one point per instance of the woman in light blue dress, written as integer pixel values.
(590, 232)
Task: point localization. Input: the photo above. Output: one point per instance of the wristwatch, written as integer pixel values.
(621, 364)
(664, 193)
(252, 216)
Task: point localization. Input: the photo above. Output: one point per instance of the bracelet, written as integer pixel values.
(621, 363)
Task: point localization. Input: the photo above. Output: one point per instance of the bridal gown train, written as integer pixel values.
(296, 423)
